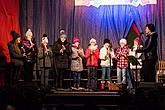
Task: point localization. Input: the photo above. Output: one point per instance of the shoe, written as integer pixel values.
(108, 84)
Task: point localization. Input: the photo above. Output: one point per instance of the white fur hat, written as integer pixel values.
(28, 32)
(123, 41)
(92, 40)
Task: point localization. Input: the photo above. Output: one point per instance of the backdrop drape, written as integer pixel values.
(113, 22)
(9, 20)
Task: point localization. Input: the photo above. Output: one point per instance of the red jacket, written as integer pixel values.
(92, 57)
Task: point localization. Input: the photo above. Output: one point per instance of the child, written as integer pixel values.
(76, 63)
(122, 61)
(92, 57)
(132, 52)
(106, 55)
(44, 56)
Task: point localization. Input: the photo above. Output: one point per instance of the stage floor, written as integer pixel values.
(82, 99)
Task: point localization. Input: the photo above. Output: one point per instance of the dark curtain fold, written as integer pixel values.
(47, 16)
(113, 22)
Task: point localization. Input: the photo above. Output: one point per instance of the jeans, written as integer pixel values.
(92, 78)
(76, 78)
(121, 72)
(45, 77)
(104, 71)
(59, 78)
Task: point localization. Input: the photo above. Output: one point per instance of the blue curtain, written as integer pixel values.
(113, 22)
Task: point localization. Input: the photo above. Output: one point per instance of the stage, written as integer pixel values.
(82, 99)
(28, 97)
(144, 97)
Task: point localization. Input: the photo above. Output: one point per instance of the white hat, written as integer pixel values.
(92, 40)
(28, 32)
(123, 41)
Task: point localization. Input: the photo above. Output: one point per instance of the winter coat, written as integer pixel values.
(106, 56)
(31, 53)
(16, 57)
(77, 56)
(48, 57)
(150, 48)
(61, 61)
(92, 57)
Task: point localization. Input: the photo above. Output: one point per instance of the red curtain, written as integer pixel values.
(132, 34)
(9, 20)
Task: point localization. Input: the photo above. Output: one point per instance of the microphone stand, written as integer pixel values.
(110, 61)
(44, 64)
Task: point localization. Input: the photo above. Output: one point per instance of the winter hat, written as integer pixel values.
(62, 32)
(123, 41)
(106, 41)
(75, 40)
(137, 39)
(92, 40)
(15, 35)
(28, 32)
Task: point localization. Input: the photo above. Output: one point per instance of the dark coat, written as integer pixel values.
(150, 48)
(61, 61)
(16, 58)
(48, 62)
(31, 53)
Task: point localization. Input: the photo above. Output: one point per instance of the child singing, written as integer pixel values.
(106, 55)
(122, 61)
(76, 63)
(92, 57)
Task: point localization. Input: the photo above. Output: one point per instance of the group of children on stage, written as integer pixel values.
(64, 56)
(106, 54)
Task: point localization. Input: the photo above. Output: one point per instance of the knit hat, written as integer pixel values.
(15, 35)
(28, 32)
(92, 40)
(75, 40)
(106, 41)
(123, 41)
(44, 39)
(62, 32)
(137, 39)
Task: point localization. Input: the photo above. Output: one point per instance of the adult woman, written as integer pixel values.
(149, 53)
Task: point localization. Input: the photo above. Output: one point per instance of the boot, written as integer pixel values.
(108, 84)
(78, 87)
(74, 86)
(102, 85)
